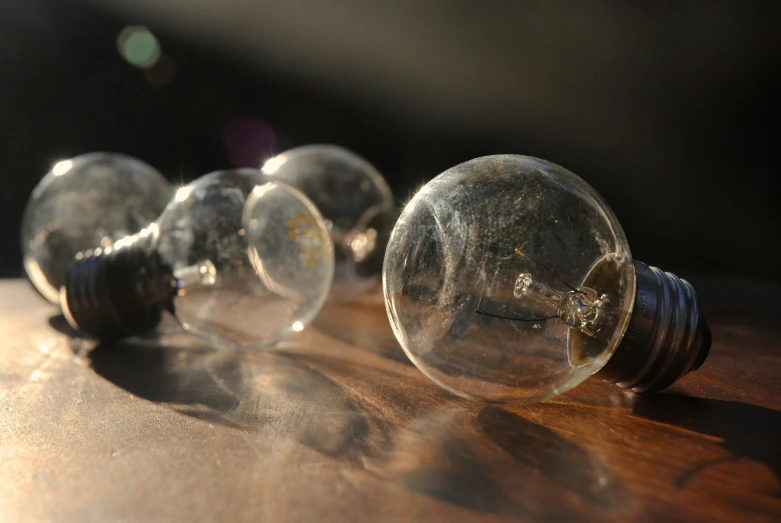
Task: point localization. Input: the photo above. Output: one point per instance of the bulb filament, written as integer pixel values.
(582, 309)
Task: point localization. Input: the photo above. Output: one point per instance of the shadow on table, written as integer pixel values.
(401, 428)
(364, 326)
(60, 324)
(748, 431)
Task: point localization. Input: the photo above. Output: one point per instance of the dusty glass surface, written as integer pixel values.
(508, 278)
(254, 260)
(86, 202)
(353, 198)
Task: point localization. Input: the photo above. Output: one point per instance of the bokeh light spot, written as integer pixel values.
(138, 46)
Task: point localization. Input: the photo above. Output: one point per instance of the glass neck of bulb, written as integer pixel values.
(581, 309)
(196, 276)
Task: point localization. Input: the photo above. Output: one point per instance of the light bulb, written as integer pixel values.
(355, 201)
(508, 278)
(88, 201)
(237, 263)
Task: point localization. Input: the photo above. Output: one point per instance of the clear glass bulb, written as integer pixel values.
(85, 202)
(239, 262)
(508, 278)
(355, 201)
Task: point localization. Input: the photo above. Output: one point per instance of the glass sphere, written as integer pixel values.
(508, 278)
(86, 202)
(253, 260)
(355, 201)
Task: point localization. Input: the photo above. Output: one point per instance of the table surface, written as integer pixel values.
(338, 425)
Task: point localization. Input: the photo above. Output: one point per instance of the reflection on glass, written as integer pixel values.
(239, 265)
(355, 201)
(508, 278)
(86, 202)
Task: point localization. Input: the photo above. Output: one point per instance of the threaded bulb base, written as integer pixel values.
(667, 336)
(111, 294)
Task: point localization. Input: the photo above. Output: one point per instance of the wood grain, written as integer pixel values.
(339, 425)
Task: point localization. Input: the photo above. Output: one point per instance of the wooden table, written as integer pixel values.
(337, 425)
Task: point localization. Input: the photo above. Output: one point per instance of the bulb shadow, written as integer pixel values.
(366, 327)
(561, 461)
(498, 462)
(747, 431)
(61, 325)
(245, 390)
(395, 426)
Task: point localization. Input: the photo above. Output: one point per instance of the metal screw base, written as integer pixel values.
(667, 336)
(117, 293)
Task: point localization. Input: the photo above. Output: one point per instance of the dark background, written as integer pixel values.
(667, 109)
